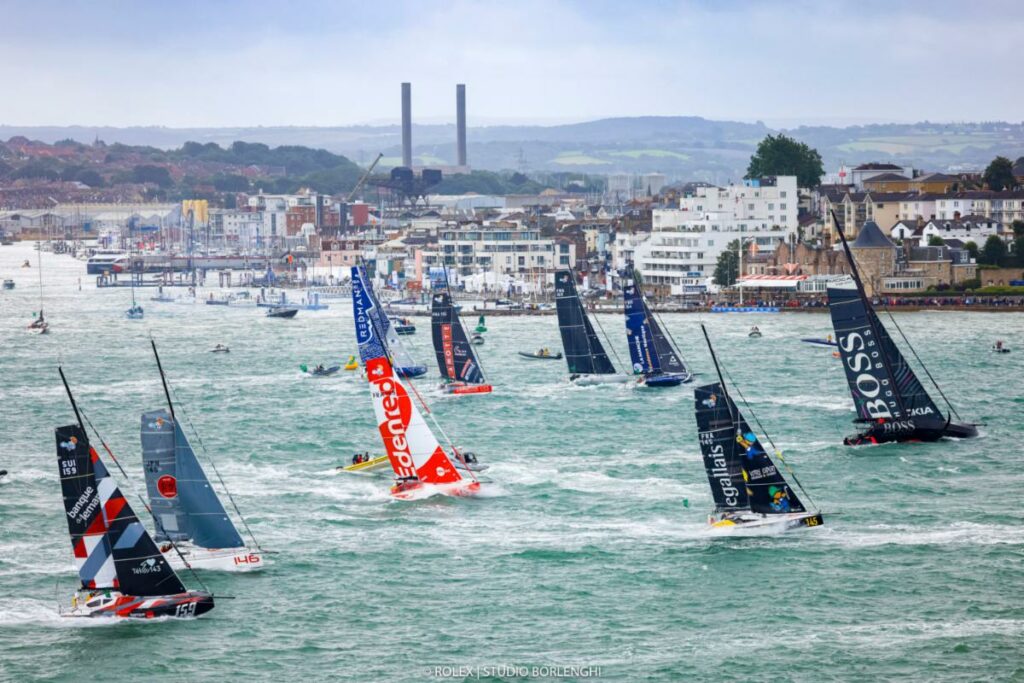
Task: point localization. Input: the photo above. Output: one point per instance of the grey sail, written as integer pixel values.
(179, 492)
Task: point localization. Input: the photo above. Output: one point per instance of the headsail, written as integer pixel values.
(412, 448)
(455, 356)
(668, 355)
(394, 345)
(184, 504)
(883, 385)
(86, 523)
(583, 351)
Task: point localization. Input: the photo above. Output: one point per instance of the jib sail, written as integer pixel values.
(84, 511)
(412, 448)
(183, 502)
(583, 351)
(668, 356)
(716, 431)
(882, 383)
(455, 356)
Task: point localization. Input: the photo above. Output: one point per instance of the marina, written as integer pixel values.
(573, 511)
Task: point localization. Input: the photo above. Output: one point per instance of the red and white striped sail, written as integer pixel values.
(411, 446)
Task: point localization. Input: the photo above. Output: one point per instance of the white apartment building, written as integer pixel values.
(686, 242)
(241, 228)
(652, 182)
(624, 248)
(498, 247)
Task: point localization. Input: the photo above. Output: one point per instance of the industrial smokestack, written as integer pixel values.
(460, 123)
(407, 124)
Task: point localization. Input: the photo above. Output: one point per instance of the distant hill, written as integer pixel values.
(683, 147)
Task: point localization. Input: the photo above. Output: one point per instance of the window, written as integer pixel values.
(771, 207)
(783, 206)
(782, 194)
(522, 260)
(563, 260)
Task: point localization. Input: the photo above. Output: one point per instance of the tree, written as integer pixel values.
(999, 175)
(728, 268)
(780, 155)
(972, 249)
(936, 241)
(231, 183)
(1017, 258)
(158, 175)
(994, 251)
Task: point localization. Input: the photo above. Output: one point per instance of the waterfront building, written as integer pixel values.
(685, 242)
(500, 247)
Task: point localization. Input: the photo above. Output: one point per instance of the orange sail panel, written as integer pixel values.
(412, 448)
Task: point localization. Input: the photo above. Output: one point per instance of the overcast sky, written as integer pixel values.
(225, 63)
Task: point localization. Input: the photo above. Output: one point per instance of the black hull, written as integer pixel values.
(878, 434)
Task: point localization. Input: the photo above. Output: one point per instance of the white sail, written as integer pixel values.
(411, 446)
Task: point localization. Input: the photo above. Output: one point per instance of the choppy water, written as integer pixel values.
(587, 557)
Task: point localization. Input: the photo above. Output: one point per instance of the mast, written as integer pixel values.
(163, 379)
(39, 267)
(718, 371)
(78, 415)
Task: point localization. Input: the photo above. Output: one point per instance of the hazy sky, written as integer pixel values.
(225, 63)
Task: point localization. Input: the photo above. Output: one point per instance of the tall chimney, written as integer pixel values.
(407, 124)
(460, 122)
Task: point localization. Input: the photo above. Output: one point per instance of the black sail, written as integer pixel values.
(455, 356)
(716, 433)
(583, 350)
(668, 355)
(83, 509)
(141, 567)
(882, 383)
(734, 458)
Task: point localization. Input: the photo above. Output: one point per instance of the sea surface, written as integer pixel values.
(593, 552)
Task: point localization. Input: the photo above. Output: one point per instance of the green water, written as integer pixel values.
(587, 555)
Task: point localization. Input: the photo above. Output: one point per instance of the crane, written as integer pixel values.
(352, 194)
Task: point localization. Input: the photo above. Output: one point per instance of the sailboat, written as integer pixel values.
(185, 508)
(422, 467)
(135, 312)
(748, 488)
(653, 355)
(365, 303)
(588, 362)
(890, 401)
(456, 359)
(39, 325)
(123, 573)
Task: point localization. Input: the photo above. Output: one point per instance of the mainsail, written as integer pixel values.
(668, 357)
(455, 356)
(86, 523)
(716, 433)
(365, 302)
(412, 448)
(184, 505)
(639, 334)
(883, 385)
(139, 567)
(583, 351)
(741, 473)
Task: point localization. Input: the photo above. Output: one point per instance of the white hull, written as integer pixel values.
(216, 559)
(755, 524)
(589, 380)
